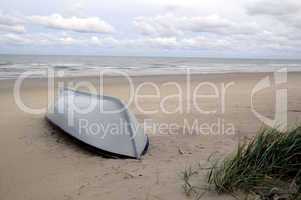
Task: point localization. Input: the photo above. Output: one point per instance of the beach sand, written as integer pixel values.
(39, 162)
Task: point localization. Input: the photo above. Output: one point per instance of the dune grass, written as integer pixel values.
(268, 166)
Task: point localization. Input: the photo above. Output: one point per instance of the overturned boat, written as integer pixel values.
(101, 122)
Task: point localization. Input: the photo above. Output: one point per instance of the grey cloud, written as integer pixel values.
(13, 39)
(252, 43)
(158, 25)
(287, 13)
(10, 20)
(12, 28)
(274, 7)
(161, 42)
(252, 33)
(217, 24)
(206, 42)
(46, 39)
(11, 24)
(170, 25)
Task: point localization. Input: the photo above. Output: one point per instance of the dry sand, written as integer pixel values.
(38, 162)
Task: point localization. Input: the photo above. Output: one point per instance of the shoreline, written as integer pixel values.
(93, 75)
(139, 76)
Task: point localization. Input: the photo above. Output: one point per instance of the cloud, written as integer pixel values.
(284, 14)
(272, 7)
(162, 25)
(11, 24)
(68, 41)
(201, 42)
(171, 25)
(13, 39)
(216, 24)
(239, 43)
(240, 27)
(14, 28)
(171, 43)
(10, 20)
(161, 42)
(87, 25)
(103, 41)
(63, 39)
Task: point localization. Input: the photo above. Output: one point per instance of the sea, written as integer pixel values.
(12, 66)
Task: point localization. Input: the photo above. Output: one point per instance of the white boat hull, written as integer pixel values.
(102, 122)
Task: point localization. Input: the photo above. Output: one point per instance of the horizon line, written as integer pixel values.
(152, 56)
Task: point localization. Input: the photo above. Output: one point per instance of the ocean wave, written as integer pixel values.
(82, 66)
(5, 63)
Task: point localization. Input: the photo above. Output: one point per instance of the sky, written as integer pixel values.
(196, 28)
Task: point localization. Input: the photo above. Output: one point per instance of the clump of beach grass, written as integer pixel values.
(267, 166)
